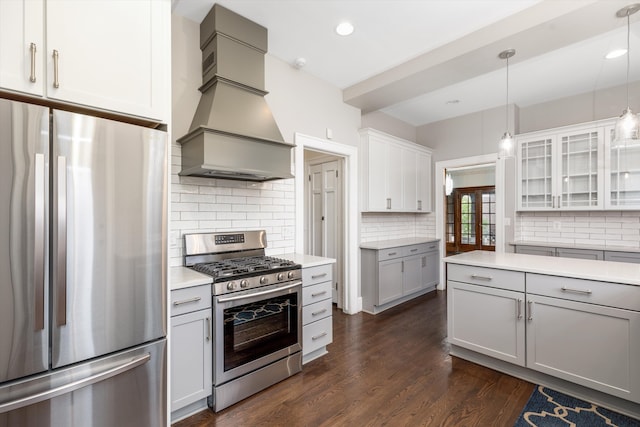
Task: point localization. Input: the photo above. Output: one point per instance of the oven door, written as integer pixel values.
(255, 328)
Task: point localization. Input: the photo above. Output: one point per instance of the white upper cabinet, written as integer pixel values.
(22, 46)
(622, 177)
(103, 54)
(561, 169)
(395, 174)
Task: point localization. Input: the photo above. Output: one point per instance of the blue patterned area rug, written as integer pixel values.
(549, 408)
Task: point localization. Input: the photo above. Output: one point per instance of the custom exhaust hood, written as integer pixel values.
(233, 134)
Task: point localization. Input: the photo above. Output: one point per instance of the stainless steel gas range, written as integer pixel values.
(257, 303)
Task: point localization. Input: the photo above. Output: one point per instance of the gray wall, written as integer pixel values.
(385, 123)
(469, 135)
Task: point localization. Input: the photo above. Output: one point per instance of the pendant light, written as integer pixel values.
(628, 126)
(506, 146)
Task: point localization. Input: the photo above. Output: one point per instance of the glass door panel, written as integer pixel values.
(536, 173)
(579, 170)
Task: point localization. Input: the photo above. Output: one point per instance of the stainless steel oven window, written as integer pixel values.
(243, 346)
(254, 330)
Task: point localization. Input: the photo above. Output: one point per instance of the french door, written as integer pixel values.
(471, 219)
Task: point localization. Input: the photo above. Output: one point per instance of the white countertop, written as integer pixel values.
(307, 260)
(604, 271)
(386, 244)
(576, 246)
(182, 277)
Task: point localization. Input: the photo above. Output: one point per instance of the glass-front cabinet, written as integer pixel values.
(561, 169)
(622, 180)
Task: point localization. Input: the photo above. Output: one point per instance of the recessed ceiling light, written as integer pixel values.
(615, 53)
(453, 101)
(344, 28)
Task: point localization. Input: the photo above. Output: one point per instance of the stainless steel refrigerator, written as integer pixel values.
(83, 217)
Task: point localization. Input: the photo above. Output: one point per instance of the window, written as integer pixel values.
(471, 219)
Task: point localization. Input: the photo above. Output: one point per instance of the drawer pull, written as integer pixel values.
(392, 253)
(317, 276)
(577, 291)
(432, 247)
(317, 294)
(414, 250)
(519, 308)
(530, 304)
(315, 313)
(479, 277)
(317, 337)
(187, 301)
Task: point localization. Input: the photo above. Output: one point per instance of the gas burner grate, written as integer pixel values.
(241, 266)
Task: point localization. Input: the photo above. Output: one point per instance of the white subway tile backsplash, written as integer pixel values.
(611, 228)
(387, 226)
(209, 205)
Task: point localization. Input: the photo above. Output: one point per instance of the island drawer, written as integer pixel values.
(190, 299)
(590, 291)
(317, 274)
(484, 276)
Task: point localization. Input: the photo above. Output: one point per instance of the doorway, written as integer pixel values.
(352, 303)
(324, 213)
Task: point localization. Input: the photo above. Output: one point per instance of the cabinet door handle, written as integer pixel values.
(317, 337)
(577, 291)
(317, 294)
(424, 261)
(519, 308)
(208, 329)
(186, 301)
(317, 276)
(32, 77)
(316, 313)
(56, 81)
(388, 203)
(479, 277)
(402, 267)
(530, 310)
(419, 205)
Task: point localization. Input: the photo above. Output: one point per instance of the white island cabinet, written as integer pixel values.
(579, 321)
(106, 55)
(191, 342)
(317, 307)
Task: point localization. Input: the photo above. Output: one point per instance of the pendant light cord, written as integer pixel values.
(507, 101)
(628, 55)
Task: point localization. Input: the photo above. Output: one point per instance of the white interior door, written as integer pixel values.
(325, 218)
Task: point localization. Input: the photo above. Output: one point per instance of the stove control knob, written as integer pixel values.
(264, 280)
(290, 275)
(231, 286)
(280, 276)
(244, 283)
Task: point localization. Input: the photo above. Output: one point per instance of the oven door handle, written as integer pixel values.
(257, 294)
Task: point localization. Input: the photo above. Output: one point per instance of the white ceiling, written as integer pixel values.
(410, 58)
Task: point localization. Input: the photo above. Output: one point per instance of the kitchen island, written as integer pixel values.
(570, 324)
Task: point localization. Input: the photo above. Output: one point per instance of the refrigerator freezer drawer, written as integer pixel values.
(125, 389)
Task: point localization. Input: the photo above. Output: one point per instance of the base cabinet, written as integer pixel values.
(582, 331)
(391, 276)
(317, 319)
(191, 347)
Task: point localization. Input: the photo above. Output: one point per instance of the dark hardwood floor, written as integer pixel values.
(392, 369)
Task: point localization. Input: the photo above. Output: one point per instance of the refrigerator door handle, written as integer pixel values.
(75, 385)
(39, 240)
(61, 244)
